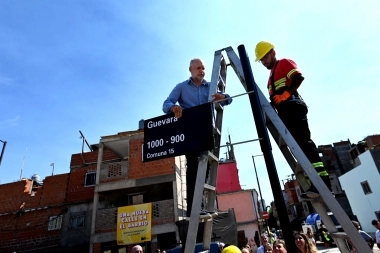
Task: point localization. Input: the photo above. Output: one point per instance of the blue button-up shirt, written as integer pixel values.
(187, 94)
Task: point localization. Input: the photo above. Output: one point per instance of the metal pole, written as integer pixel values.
(2, 151)
(258, 183)
(52, 164)
(267, 150)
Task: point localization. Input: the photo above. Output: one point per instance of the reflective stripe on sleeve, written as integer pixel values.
(291, 72)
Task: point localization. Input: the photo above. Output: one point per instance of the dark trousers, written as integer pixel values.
(294, 116)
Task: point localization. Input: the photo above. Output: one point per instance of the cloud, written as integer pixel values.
(6, 81)
(10, 122)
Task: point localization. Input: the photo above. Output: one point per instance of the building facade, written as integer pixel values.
(244, 202)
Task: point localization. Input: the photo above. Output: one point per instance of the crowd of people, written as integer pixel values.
(305, 242)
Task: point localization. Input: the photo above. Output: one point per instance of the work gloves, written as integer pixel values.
(277, 99)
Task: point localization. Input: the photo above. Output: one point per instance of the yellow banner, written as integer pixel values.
(134, 224)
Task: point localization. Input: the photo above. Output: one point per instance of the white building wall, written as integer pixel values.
(363, 205)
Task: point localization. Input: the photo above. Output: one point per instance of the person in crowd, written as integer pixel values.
(268, 248)
(304, 244)
(264, 241)
(137, 249)
(248, 247)
(326, 238)
(271, 238)
(370, 241)
(376, 224)
(279, 246)
(245, 250)
(310, 235)
(221, 246)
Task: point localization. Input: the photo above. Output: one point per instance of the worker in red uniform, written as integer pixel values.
(284, 81)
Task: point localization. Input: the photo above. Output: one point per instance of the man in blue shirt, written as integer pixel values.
(189, 93)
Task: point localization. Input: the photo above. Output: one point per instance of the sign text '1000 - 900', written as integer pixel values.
(168, 136)
(161, 142)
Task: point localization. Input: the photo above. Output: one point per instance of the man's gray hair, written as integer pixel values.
(194, 60)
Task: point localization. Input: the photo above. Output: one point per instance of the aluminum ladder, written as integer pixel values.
(300, 165)
(207, 191)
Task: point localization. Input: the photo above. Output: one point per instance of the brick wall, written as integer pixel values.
(29, 230)
(76, 190)
(138, 169)
(91, 157)
(52, 192)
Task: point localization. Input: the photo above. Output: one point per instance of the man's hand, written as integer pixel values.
(177, 111)
(280, 98)
(218, 96)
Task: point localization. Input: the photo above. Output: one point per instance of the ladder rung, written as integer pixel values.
(211, 157)
(341, 235)
(216, 130)
(209, 187)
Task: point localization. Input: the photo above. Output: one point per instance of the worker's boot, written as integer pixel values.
(311, 193)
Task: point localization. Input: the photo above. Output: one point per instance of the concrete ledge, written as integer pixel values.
(111, 186)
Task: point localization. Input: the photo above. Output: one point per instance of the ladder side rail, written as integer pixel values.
(220, 80)
(236, 65)
(196, 206)
(215, 74)
(330, 201)
(210, 205)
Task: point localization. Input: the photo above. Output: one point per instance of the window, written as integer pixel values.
(77, 221)
(298, 191)
(55, 222)
(366, 187)
(90, 178)
(136, 198)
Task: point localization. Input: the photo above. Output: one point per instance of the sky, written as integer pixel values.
(101, 66)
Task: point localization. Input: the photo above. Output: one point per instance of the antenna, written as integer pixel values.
(23, 161)
(2, 150)
(52, 172)
(84, 140)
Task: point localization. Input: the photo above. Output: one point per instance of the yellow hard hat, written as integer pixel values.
(262, 48)
(231, 249)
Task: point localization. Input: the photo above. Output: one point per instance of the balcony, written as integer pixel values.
(162, 212)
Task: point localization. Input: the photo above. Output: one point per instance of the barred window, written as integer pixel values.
(55, 222)
(77, 221)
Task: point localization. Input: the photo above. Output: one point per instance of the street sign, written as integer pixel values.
(265, 215)
(166, 136)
